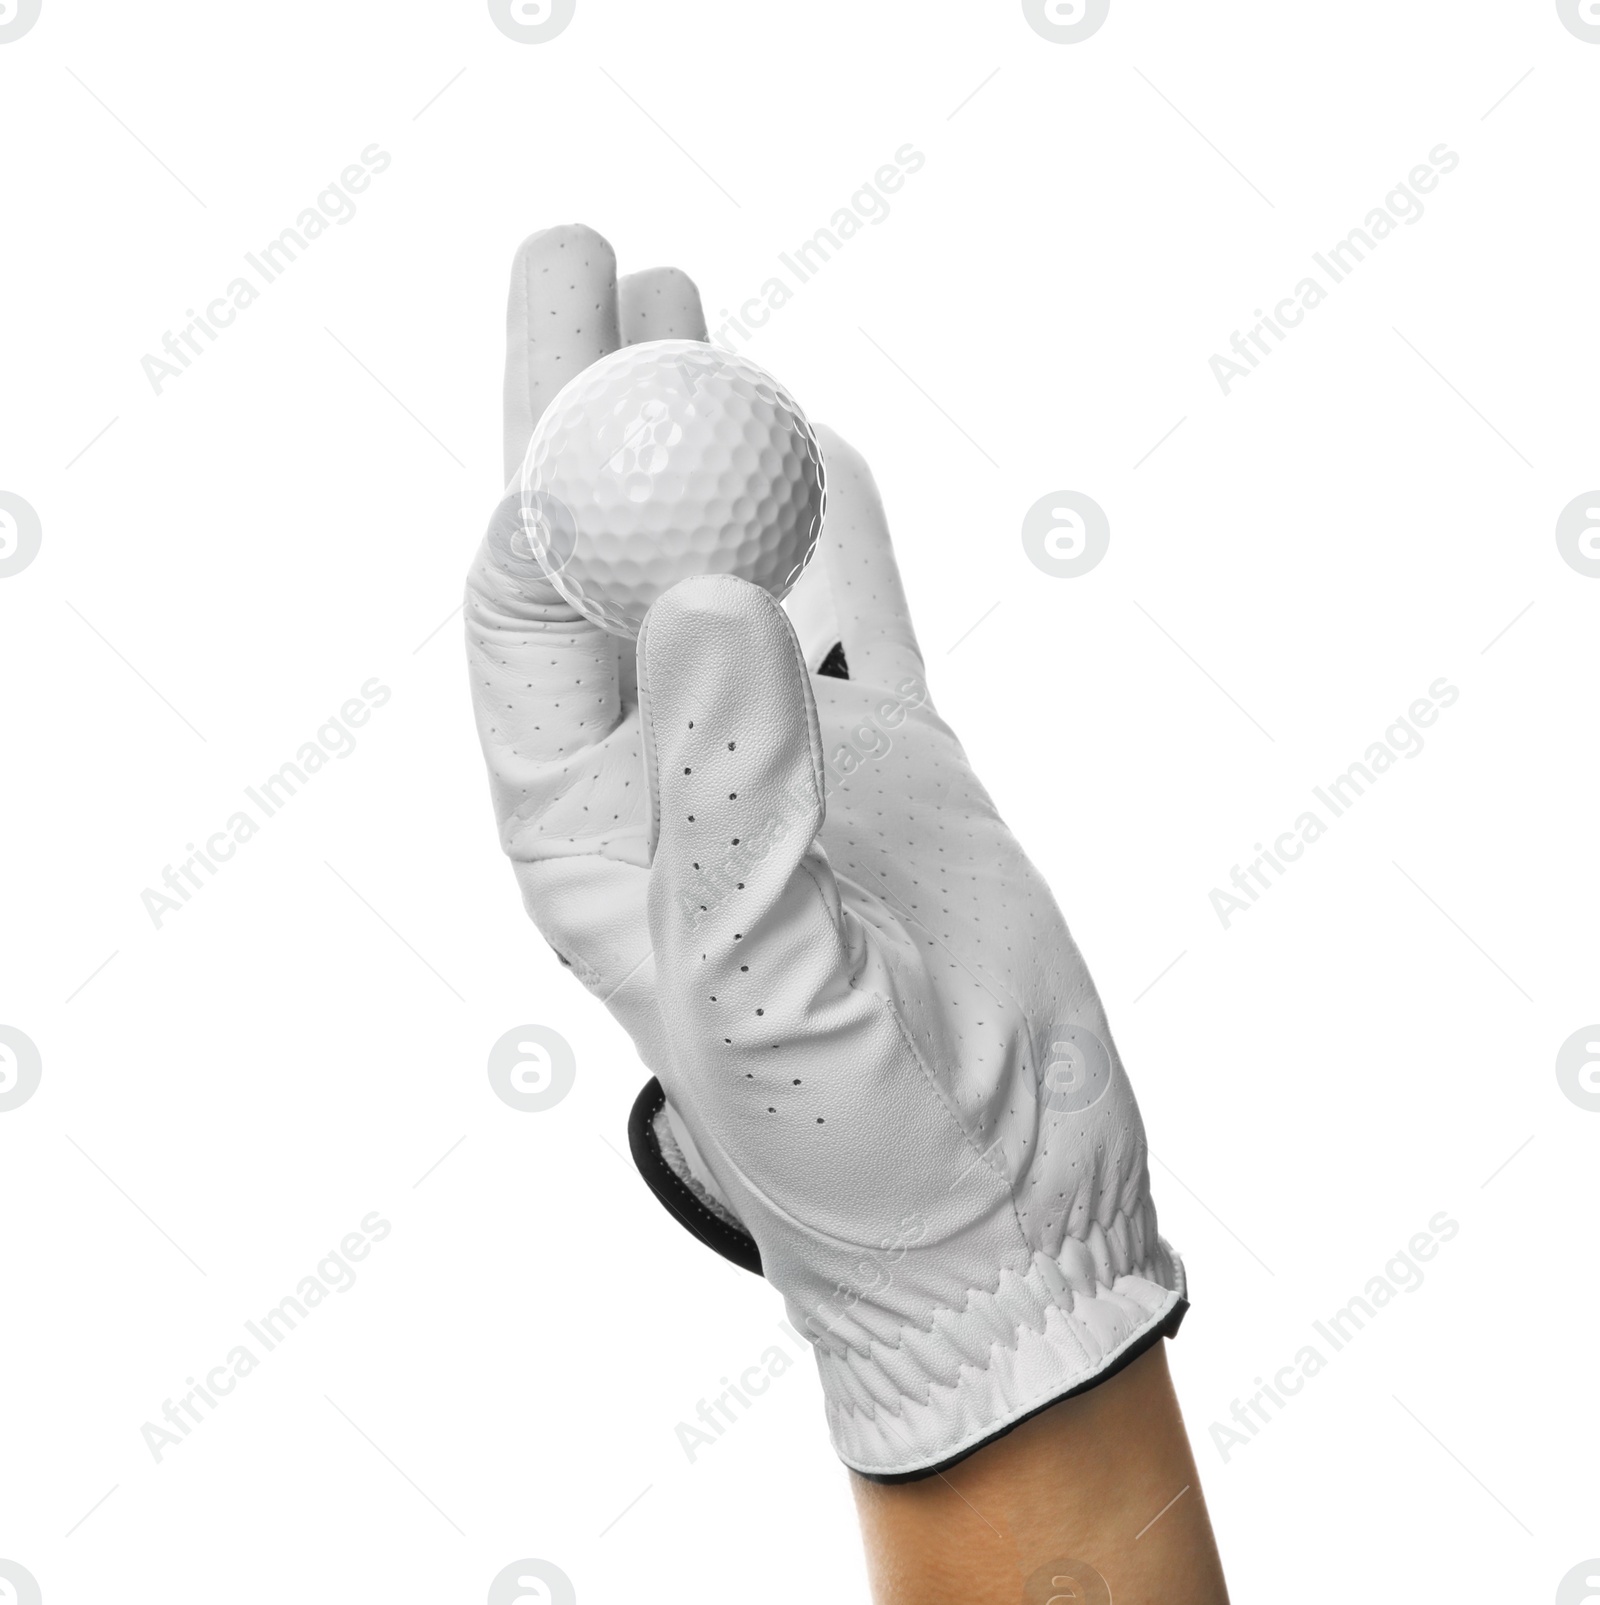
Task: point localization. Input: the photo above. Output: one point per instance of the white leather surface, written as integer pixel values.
(797, 898)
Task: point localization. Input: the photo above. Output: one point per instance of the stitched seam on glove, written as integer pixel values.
(981, 1155)
(1148, 1270)
(994, 1415)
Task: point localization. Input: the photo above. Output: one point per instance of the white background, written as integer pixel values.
(230, 560)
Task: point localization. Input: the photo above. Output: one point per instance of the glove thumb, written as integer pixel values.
(746, 921)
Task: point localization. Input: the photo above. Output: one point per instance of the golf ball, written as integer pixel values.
(667, 459)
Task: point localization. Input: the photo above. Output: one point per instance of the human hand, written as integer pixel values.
(884, 1075)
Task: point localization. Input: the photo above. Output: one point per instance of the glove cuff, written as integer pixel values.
(918, 1403)
(907, 1401)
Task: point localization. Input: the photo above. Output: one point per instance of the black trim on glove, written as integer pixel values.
(675, 1193)
(834, 665)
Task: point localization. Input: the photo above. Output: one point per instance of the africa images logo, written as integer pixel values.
(1578, 534)
(19, 1581)
(532, 1068)
(532, 1582)
(20, 534)
(1581, 18)
(532, 22)
(16, 18)
(1065, 534)
(21, 1068)
(1066, 22)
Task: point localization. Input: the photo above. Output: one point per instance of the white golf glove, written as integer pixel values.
(884, 1078)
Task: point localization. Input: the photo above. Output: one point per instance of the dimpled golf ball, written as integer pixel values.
(667, 459)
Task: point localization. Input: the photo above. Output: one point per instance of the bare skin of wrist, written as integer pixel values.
(1095, 1500)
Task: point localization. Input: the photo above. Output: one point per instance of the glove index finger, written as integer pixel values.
(545, 681)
